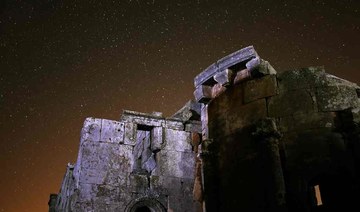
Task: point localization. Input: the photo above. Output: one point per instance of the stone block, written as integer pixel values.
(157, 138)
(174, 186)
(291, 102)
(190, 111)
(107, 194)
(203, 93)
(228, 114)
(264, 69)
(91, 129)
(105, 163)
(260, 88)
(194, 126)
(148, 119)
(138, 183)
(178, 140)
(216, 90)
(336, 98)
(241, 76)
(244, 115)
(225, 77)
(152, 122)
(169, 164)
(305, 121)
(174, 124)
(253, 64)
(304, 78)
(130, 133)
(112, 131)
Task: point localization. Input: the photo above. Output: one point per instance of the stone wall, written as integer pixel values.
(270, 138)
(143, 161)
(254, 140)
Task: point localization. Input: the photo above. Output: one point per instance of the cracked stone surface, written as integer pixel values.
(141, 159)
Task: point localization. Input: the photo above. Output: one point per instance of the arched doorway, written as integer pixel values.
(145, 205)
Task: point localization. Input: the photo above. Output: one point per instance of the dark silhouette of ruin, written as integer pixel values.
(253, 140)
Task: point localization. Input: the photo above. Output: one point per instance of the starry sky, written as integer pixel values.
(64, 60)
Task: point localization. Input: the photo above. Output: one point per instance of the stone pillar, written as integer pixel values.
(268, 136)
(210, 161)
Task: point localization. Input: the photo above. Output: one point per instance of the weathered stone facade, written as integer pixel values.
(142, 162)
(278, 142)
(254, 140)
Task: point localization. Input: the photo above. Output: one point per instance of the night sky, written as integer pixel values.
(63, 61)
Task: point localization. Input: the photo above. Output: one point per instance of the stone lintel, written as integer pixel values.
(193, 126)
(237, 57)
(206, 75)
(129, 113)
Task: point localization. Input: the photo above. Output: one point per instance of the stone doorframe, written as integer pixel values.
(153, 204)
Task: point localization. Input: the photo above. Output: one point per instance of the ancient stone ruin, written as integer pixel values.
(253, 140)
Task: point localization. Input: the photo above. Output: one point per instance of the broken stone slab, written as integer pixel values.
(203, 94)
(150, 164)
(190, 111)
(240, 56)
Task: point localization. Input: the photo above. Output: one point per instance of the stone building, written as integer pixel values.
(144, 162)
(254, 140)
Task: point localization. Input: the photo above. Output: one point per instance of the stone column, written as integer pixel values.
(268, 136)
(210, 173)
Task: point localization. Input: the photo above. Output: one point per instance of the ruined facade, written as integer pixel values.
(254, 140)
(142, 162)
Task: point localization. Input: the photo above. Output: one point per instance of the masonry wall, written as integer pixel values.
(273, 138)
(143, 160)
